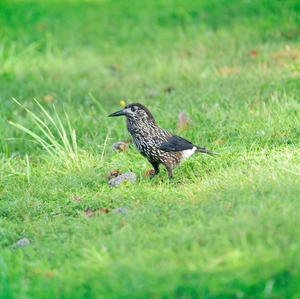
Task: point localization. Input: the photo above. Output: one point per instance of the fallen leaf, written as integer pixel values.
(104, 210)
(120, 146)
(227, 70)
(113, 174)
(48, 98)
(183, 122)
(219, 141)
(286, 55)
(253, 53)
(49, 274)
(149, 172)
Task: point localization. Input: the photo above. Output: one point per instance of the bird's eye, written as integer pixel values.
(133, 108)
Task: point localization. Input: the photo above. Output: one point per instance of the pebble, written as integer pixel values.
(22, 242)
(127, 176)
(121, 210)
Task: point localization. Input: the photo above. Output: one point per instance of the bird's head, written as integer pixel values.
(135, 111)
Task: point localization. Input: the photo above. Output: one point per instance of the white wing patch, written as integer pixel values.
(188, 153)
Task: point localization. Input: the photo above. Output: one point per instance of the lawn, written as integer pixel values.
(224, 226)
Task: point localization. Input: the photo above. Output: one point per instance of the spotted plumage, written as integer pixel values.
(156, 144)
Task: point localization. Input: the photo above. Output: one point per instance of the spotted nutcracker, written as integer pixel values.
(156, 144)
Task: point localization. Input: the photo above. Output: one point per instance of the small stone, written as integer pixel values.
(125, 177)
(261, 133)
(121, 210)
(22, 242)
(120, 146)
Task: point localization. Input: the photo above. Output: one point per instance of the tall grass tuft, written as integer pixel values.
(57, 139)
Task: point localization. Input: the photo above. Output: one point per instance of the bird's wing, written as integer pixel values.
(176, 144)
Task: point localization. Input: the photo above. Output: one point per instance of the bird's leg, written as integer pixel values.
(156, 168)
(169, 170)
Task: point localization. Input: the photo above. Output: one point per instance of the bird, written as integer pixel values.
(158, 145)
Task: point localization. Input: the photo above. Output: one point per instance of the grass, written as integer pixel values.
(225, 227)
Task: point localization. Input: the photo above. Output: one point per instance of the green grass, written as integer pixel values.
(225, 227)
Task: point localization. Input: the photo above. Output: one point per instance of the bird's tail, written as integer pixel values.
(203, 150)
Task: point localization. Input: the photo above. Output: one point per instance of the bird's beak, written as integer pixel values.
(118, 113)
